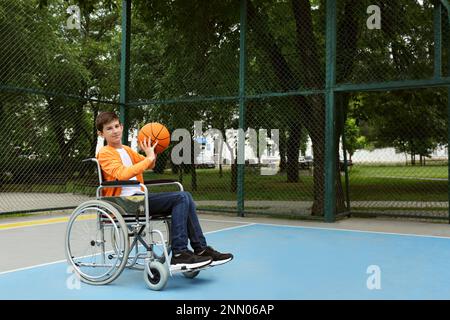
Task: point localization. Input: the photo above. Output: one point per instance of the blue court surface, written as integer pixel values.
(274, 262)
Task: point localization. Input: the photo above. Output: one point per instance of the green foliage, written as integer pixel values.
(411, 121)
(353, 138)
(190, 49)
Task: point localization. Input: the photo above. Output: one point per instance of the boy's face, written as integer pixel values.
(112, 133)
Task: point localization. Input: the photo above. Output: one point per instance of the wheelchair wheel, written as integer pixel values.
(88, 246)
(191, 274)
(159, 275)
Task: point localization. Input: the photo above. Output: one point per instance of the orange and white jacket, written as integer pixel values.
(113, 168)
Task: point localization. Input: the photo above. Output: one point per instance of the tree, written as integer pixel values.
(41, 54)
(413, 122)
(284, 65)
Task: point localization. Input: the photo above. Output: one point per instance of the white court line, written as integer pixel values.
(260, 223)
(256, 224)
(231, 228)
(227, 221)
(329, 229)
(31, 267)
(60, 261)
(355, 230)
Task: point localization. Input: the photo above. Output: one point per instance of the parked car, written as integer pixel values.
(306, 162)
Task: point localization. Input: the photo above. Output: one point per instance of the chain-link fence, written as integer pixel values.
(206, 69)
(396, 141)
(56, 75)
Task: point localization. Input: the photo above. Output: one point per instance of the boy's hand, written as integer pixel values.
(149, 150)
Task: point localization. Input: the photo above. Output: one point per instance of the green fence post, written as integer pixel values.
(330, 114)
(447, 27)
(448, 107)
(437, 17)
(344, 151)
(241, 134)
(125, 67)
(447, 7)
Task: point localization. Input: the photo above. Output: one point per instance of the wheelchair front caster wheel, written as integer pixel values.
(156, 275)
(191, 274)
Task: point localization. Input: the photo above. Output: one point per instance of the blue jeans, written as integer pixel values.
(185, 224)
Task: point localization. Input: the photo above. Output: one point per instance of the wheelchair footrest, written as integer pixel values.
(184, 269)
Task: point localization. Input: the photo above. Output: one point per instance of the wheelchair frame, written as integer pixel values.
(109, 214)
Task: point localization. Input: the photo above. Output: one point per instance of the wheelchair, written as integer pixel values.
(106, 235)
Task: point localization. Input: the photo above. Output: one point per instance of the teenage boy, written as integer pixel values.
(120, 162)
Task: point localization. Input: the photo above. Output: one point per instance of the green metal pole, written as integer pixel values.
(448, 107)
(125, 67)
(344, 151)
(241, 138)
(446, 4)
(448, 151)
(437, 40)
(447, 29)
(330, 114)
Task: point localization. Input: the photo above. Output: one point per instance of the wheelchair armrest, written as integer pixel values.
(164, 182)
(160, 181)
(120, 183)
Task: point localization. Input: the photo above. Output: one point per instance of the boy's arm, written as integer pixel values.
(113, 166)
(139, 157)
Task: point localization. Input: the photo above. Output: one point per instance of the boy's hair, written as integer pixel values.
(105, 118)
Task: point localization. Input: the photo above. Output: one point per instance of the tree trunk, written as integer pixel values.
(234, 176)
(292, 152)
(193, 168)
(94, 130)
(54, 112)
(318, 207)
(180, 173)
(283, 147)
(310, 111)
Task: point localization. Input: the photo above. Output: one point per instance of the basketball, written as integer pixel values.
(155, 131)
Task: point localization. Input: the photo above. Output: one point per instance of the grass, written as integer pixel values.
(367, 183)
(400, 209)
(430, 172)
(14, 215)
(382, 189)
(210, 186)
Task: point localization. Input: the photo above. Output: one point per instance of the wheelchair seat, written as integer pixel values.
(134, 208)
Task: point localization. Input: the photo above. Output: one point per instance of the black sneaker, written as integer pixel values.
(188, 260)
(218, 258)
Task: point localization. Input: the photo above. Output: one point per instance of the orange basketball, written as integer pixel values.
(155, 131)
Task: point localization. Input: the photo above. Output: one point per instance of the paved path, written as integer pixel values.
(29, 201)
